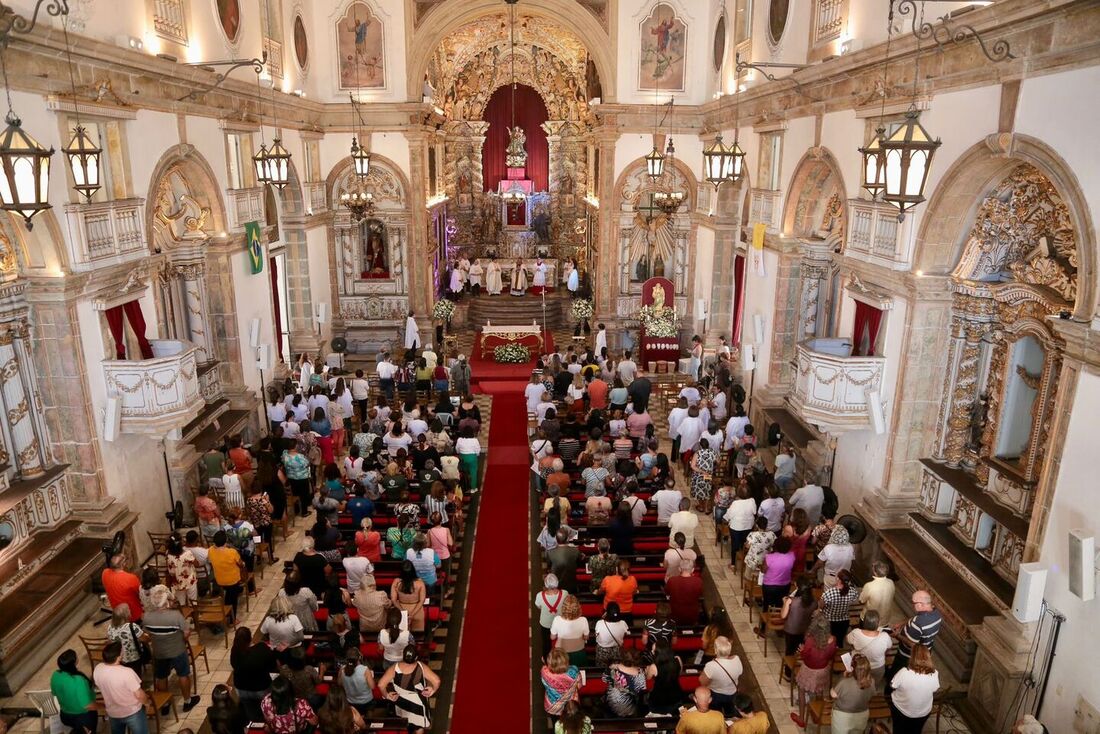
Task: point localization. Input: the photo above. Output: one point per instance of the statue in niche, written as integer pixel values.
(641, 270)
(658, 267)
(833, 210)
(540, 225)
(979, 416)
(372, 233)
(517, 148)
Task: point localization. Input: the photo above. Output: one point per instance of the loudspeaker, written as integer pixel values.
(265, 357)
(874, 407)
(758, 328)
(1082, 564)
(254, 333)
(748, 362)
(322, 313)
(1027, 605)
(112, 419)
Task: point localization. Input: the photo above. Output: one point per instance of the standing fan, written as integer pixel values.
(110, 550)
(335, 358)
(775, 434)
(857, 529)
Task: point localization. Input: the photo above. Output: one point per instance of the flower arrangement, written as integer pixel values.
(658, 322)
(581, 309)
(512, 354)
(444, 309)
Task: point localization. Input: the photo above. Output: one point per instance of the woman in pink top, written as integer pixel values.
(439, 537)
(777, 568)
(817, 665)
(798, 530)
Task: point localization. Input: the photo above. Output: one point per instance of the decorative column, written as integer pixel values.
(723, 287)
(814, 269)
(16, 404)
(785, 322)
(553, 182)
(419, 268)
(605, 284)
(192, 276)
(970, 324)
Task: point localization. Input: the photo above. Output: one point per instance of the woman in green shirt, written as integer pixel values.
(75, 694)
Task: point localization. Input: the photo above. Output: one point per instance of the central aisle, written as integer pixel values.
(494, 659)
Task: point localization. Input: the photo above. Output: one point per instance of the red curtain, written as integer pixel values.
(115, 324)
(738, 297)
(867, 322)
(530, 114)
(274, 268)
(137, 323)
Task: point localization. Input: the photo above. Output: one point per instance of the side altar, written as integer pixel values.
(659, 345)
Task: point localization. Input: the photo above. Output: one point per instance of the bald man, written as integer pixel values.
(701, 719)
(920, 629)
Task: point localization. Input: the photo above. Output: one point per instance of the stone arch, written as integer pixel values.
(201, 182)
(953, 205)
(731, 200)
(452, 16)
(817, 179)
(39, 251)
(341, 173)
(622, 189)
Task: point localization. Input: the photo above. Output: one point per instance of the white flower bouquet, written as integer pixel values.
(444, 309)
(512, 354)
(658, 322)
(581, 309)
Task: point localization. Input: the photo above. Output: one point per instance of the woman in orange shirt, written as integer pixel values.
(621, 589)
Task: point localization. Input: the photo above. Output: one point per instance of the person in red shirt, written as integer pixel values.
(685, 593)
(620, 589)
(597, 394)
(122, 587)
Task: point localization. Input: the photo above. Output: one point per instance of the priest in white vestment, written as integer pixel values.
(494, 284)
(539, 283)
(457, 278)
(475, 277)
(412, 333)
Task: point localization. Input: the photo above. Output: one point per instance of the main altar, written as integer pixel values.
(494, 335)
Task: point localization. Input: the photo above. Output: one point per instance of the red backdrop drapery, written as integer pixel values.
(130, 311)
(866, 325)
(530, 114)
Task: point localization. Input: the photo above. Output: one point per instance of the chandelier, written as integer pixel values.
(272, 164)
(655, 161)
(360, 156)
(668, 201)
(513, 194)
(358, 201)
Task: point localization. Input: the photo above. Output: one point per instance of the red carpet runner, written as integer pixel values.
(494, 661)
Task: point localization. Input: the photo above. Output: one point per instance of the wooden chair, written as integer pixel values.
(791, 663)
(159, 561)
(195, 650)
(260, 554)
(159, 541)
(93, 646)
(214, 612)
(751, 595)
(723, 539)
(773, 625)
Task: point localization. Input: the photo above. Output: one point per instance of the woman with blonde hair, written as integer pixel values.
(570, 631)
(130, 635)
(281, 625)
(816, 654)
(914, 688)
(852, 698)
(561, 681)
(368, 541)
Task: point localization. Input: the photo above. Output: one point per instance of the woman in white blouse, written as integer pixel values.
(914, 687)
(469, 450)
(394, 637)
(872, 643)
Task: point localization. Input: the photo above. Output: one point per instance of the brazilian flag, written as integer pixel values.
(254, 245)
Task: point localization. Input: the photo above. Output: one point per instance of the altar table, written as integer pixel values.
(495, 335)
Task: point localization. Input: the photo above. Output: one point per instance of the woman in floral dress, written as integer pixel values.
(702, 465)
(757, 545)
(182, 580)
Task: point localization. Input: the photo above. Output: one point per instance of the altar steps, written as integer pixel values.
(506, 309)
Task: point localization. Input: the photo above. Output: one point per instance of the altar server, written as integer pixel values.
(539, 282)
(475, 278)
(412, 333)
(574, 280)
(494, 284)
(457, 278)
(601, 340)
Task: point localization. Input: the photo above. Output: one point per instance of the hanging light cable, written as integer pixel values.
(736, 159)
(874, 165)
(81, 152)
(259, 160)
(360, 158)
(25, 183)
(655, 161)
(907, 153)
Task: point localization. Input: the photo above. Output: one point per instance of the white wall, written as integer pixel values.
(703, 256)
(252, 295)
(1074, 669)
(323, 43)
(336, 147)
(320, 283)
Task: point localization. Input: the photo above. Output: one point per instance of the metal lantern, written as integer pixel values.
(717, 161)
(360, 159)
(907, 155)
(655, 163)
(737, 162)
(24, 186)
(278, 168)
(83, 158)
(873, 163)
(260, 162)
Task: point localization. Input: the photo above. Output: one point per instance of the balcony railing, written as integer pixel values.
(764, 207)
(246, 205)
(170, 20)
(830, 387)
(106, 233)
(274, 51)
(156, 395)
(318, 201)
(874, 234)
(828, 20)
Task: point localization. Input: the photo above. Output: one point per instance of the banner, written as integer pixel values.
(758, 247)
(254, 245)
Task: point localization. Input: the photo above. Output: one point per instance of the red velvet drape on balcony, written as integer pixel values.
(530, 114)
(865, 330)
(137, 323)
(115, 323)
(738, 298)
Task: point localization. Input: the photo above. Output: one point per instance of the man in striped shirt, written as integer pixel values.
(920, 629)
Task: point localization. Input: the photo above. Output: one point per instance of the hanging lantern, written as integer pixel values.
(360, 159)
(24, 186)
(655, 163)
(736, 162)
(717, 161)
(873, 168)
(278, 168)
(260, 162)
(83, 158)
(907, 155)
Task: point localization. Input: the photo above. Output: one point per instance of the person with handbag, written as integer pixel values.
(135, 652)
(721, 675)
(169, 631)
(286, 713)
(611, 631)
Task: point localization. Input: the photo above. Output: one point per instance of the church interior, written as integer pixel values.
(363, 362)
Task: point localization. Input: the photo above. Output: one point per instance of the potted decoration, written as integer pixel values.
(512, 354)
(658, 322)
(442, 312)
(581, 311)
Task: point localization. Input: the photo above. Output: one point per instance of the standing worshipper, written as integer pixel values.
(460, 376)
(539, 283)
(494, 284)
(123, 697)
(601, 340)
(305, 368)
(412, 334)
(519, 279)
(476, 272)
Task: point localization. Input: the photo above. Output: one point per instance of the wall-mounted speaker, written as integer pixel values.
(1031, 582)
(748, 361)
(758, 328)
(874, 407)
(112, 419)
(1082, 564)
(254, 333)
(265, 357)
(321, 313)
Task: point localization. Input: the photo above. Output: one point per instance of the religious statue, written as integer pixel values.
(641, 270)
(374, 256)
(517, 148)
(658, 297)
(979, 416)
(540, 225)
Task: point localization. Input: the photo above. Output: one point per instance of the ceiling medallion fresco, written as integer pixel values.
(471, 63)
(1023, 232)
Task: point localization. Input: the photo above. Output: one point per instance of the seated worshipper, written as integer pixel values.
(626, 683)
(597, 508)
(685, 596)
(678, 556)
(372, 604)
(721, 675)
(748, 721)
(561, 681)
(701, 719)
(683, 521)
(408, 593)
(610, 632)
